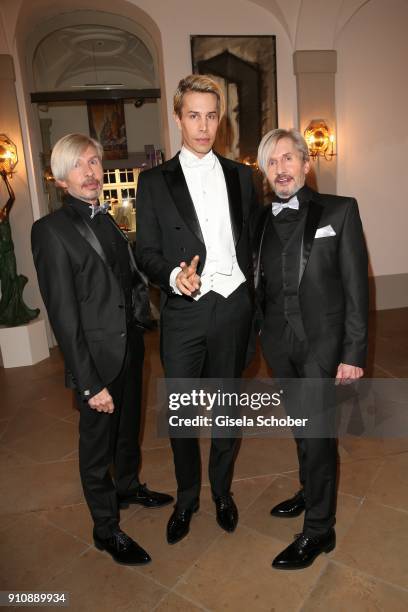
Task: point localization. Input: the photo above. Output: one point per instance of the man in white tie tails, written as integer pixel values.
(193, 241)
(312, 291)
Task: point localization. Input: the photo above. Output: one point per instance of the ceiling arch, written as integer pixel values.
(348, 10)
(85, 54)
(285, 12)
(312, 23)
(112, 41)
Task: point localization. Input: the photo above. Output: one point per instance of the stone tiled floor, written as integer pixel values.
(46, 532)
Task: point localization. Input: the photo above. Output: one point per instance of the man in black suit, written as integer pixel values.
(193, 242)
(97, 303)
(312, 289)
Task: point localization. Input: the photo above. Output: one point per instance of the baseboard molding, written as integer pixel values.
(388, 291)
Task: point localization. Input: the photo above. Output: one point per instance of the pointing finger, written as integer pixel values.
(194, 262)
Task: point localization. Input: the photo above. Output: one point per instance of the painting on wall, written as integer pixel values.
(245, 68)
(107, 125)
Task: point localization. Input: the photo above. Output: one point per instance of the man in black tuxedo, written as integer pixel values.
(193, 242)
(98, 306)
(312, 290)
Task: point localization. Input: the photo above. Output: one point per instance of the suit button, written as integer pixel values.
(122, 335)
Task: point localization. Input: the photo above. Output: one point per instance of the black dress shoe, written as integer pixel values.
(227, 512)
(123, 549)
(290, 507)
(304, 550)
(145, 497)
(179, 524)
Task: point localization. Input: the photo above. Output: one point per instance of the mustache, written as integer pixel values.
(283, 175)
(91, 182)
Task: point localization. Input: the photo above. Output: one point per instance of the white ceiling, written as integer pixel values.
(84, 54)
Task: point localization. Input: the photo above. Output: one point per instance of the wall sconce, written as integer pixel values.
(8, 155)
(48, 175)
(250, 161)
(319, 140)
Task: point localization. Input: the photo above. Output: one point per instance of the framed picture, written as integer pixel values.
(245, 67)
(107, 125)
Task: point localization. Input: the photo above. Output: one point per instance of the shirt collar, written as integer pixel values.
(79, 205)
(189, 159)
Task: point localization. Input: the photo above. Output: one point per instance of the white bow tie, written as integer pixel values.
(204, 162)
(96, 209)
(278, 206)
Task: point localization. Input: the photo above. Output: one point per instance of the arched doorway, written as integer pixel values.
(82, 42)
(100, 80)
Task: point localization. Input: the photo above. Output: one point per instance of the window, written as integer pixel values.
(119, 188)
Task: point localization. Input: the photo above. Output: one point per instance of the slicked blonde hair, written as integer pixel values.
(67, 150)
(271, 139)
(201, 83)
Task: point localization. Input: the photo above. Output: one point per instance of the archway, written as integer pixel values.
(37, 22)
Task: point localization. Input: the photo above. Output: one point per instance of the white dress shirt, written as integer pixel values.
(206, 184)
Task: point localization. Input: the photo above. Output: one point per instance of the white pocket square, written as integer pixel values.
(324, 232)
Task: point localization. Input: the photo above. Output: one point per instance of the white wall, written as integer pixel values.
(142, 124)
(372, 94)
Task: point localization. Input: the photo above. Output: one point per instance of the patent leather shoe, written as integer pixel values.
(227, 512)
(146, 498)
(304, 550)
(179, 523)
(122, 548)
(290, 507)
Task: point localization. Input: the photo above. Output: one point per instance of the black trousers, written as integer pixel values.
(291, 358)
(107, 440)
(205, 338)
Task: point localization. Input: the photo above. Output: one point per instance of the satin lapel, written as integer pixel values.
(132, 260)
(177, 185)
(87, 233)
(312, 221)
(263, 222)
(133, 265)
(234, 198)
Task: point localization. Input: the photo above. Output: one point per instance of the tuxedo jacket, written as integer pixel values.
(168, 230)
(84, 299)
(332, 278)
